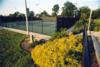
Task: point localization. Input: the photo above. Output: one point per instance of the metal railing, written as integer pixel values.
(86, 53)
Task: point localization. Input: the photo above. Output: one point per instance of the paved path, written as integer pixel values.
(96, 34)
(26, 45)
(97, 48)
(96, 44)
(37, 36)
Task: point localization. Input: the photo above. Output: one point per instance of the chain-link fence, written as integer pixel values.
(42, 27)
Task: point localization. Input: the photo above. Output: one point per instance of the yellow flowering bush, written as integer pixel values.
(61, 52)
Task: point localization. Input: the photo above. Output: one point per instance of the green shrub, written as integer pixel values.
(60, 34)
(97, 29)
(78, 27)
(95, 26)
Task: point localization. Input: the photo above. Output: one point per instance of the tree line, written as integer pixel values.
(68, 9)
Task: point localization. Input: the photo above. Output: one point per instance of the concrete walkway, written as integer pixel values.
(96, 34)
(97, 48)
(96, 44)
(37, 36)
(26, 45)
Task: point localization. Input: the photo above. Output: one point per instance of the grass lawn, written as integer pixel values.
(79, 26)
(95, 26)
(97, 21)
(11, 54)
(52, 19)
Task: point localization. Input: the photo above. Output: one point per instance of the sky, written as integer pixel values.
(10, 6)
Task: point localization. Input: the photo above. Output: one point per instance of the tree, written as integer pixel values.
(96, 13)
(37, 15)
(17, 14)
(21, 15)
(55, 10)
(68, 9)
(44, 13)
(85, 12)
(31, 14)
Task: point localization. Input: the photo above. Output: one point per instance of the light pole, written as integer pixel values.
(89, 22)
(26, 16)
